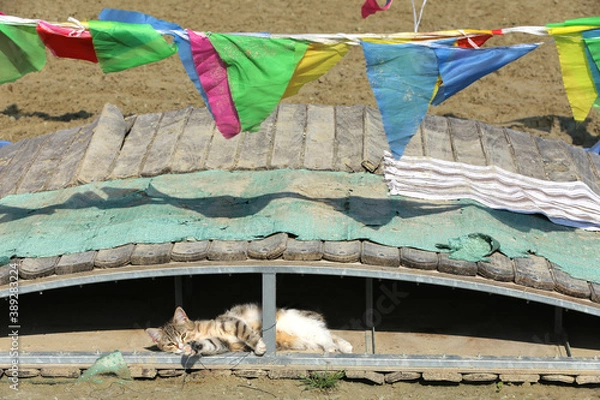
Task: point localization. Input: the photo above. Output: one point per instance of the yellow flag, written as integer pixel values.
(577, 77)
(318, 59)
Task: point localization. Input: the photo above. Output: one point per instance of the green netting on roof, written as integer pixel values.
(245, 205)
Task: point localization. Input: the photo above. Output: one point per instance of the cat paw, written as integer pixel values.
(188, 350)
(344, 347)
(260, 348)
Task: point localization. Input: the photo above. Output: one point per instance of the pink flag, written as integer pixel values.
(371, 7)
(213, 78)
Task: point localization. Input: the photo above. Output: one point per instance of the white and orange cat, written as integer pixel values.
(238, 329)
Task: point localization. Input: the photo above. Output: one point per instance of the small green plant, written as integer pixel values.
(499, 386)
(323, 380)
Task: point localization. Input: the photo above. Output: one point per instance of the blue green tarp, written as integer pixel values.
(249, 205)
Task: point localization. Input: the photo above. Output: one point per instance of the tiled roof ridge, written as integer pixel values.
(532, 272)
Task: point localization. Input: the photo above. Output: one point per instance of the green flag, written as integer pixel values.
(120, 45)
(258, 71)
(587, 21)
(21, 52)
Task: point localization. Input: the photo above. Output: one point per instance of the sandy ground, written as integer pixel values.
(527, 94)
(234, 388)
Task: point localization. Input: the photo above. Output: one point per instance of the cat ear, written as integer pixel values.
(154, 333)
(180, 316)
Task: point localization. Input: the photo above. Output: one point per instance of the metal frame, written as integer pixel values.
(333, 269)
(269, 301)
(380, 362)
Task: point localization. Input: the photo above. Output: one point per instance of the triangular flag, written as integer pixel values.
(371, 7)
(461, 67)
(577, 77)
(21, 52)
(592, 46)
(403, 78)
(259, 70)
(592, 50)
(213, 78)
(67, 42)
(183, 45)
(120, 46)
(318, 59)
(473, 41)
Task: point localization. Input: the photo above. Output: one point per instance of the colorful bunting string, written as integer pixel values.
(242, 77)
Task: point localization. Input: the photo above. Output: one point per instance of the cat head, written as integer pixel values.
(173, 336)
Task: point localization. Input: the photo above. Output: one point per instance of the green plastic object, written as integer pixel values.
(473, 247)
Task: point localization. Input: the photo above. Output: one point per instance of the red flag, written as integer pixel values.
(371, 7)
(68, 43)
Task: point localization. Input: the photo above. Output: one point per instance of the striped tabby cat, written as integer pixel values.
(239, 329)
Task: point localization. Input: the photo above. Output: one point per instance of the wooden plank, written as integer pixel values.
(115, 257)
(5, 273)
(192, 149)
(148, 254)
(436, 138)
(257, 147)
(499, 268)
(595, 161)
(32, 268)
(171, 126)
(78, 262)
(227, 250)
(375, 142)
(342, 251)
(222, 152)
(320, 138)
(419, 259)
(190, 251)
(464, 134)
(349, 132)
(583, 166)
(533, 272)
(376, 254)
(557, 162)
(47, 160)
(595, 292)
(496, 147)
(288, 145)
(268, 248)
(104, 146)
(568, 285)
(528, 159)
(130, 159)
(65, 173)
(303, 250)
(7, 153)
(456, 267)
(415, 146)
(14, 172)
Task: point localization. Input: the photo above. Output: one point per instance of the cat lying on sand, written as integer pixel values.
(239, 329)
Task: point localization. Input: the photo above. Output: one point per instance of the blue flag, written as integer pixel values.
(460, 67)
(403, 78)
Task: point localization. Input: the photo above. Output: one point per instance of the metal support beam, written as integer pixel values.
(399, 274)
(179, 291)
(269, 311)
(558, 321)
(559, 330)
(378, 362)
(369, 323)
